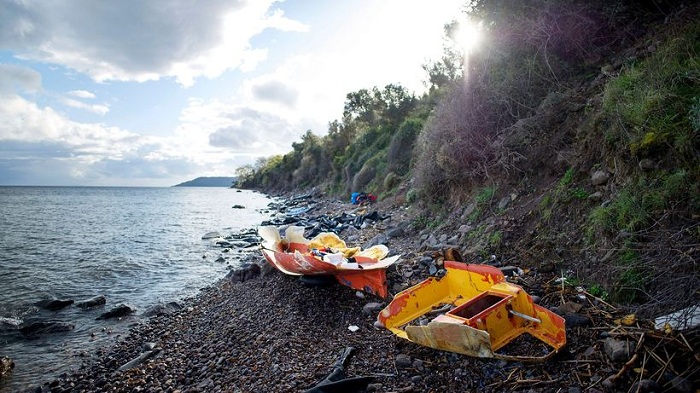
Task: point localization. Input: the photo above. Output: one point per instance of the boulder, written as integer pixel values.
(98, 300)
(117, 312)
(53, 304)
(45, 327)
(618, 350)
(377, 240)
(403, 361)
(599, 178)
(246, 273)
(396, 231)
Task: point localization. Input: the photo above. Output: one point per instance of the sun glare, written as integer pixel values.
(468, 36)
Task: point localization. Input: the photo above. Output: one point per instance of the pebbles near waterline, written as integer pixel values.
(266, 334)
(272, 333)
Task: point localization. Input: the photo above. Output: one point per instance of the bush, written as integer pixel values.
(400, 149)
(391, 181)
(459, 146)
(363, 177)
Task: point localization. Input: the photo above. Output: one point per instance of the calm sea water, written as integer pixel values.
(138, 246)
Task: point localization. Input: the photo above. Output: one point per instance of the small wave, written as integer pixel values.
(10, 322)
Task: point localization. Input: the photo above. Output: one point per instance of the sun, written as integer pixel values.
(468, 36)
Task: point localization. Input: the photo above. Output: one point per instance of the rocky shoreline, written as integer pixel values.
(259, 330)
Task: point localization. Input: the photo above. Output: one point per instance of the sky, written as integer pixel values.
(157, 92)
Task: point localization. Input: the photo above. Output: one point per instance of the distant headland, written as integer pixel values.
(209, 182)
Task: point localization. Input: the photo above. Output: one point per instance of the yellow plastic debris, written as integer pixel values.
(327, 240)
(627, 320)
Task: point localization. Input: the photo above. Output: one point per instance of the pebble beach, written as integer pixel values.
(259, 330)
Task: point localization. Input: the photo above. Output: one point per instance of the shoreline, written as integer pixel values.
(271, 333)
(140, 247)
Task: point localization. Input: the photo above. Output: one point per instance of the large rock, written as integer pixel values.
(98, 300)
(45, 327)
(377, 240)
(396, 231)
(117, 312)
(53, 304)
(372, 308)
(599, 178)
(246, 273)
(618, 350)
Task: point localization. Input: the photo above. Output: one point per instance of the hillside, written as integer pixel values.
(208, 182)
(572, 141)
(570, 147)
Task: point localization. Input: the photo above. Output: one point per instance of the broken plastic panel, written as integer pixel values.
(474, 311)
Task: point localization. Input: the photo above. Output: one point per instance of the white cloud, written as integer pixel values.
(275, 91)
(99, 109)
(81, 94)
(300, 80)
(15, 79)
(214, 128)
(40, 146)
(133, 40)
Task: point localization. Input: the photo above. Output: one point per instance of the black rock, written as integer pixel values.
(45, 327)
(117, 312)
(576, 320)
(246, 273)
(92, 302)
(53, 304)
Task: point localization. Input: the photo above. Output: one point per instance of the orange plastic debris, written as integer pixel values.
(479, 314)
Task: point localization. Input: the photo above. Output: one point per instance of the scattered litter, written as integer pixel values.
(627, 320)
(353, 328)
(684, 319)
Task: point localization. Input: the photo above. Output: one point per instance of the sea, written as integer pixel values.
(138, 246)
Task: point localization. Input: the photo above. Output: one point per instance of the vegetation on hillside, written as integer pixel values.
(563, 89)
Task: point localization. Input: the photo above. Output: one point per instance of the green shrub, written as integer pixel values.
(568, 177)
(598, 291)
(363, 177)
(391, 181)
(485, 195)
(579, 193)
(400, 151)
(411, 196)
(654, 104)
(495, 239)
